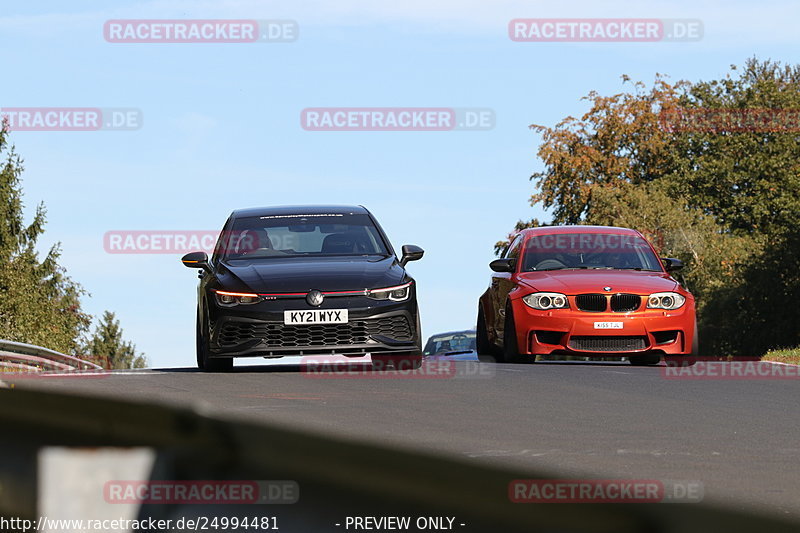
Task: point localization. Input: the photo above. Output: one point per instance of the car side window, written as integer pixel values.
(513, 250)
(219, 249)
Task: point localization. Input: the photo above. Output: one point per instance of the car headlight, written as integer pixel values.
(235, 298)
(546, 300)
(665, 300)
(396, 294)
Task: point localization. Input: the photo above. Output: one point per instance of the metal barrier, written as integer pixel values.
(22, 357)
(337, 478)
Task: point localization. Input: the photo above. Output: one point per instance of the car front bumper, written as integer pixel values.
(574, 332)
(377, 328)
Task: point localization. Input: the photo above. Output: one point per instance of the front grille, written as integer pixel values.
(607, 343)
(623, 303)
(284, 336)
(594, 303)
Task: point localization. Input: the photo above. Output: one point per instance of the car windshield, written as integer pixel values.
(451, 342)
(301, 235)
(607, 251)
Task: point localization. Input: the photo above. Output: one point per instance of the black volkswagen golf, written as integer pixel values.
(305, 280)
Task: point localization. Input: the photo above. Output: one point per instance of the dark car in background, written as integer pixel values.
(453, 345)
(307, 281)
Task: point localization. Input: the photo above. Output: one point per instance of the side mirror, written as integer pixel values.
(671, 264)
(411, 253)
(503, 265)
(196, 260)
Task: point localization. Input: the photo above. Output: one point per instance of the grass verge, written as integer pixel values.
(790, 355)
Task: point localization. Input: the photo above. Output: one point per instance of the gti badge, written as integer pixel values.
(315, 298)
(607, 289)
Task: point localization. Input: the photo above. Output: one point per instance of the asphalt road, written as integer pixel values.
(740, 438)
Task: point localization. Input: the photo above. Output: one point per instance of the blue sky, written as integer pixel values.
(222, 128)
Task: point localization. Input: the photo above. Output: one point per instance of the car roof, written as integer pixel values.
(550, 230)
(451, 333)
(301, 210)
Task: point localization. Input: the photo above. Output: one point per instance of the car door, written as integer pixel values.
(208, 277)
(502, 284)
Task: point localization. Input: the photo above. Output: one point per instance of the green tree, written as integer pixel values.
(747, 178)
(620, 139)
(39, 303)
(107, 347)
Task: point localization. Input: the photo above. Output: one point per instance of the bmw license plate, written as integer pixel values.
(315, 316)
(608, 325)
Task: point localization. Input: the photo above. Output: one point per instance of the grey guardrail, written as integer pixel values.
(24, 356)
(337, 478)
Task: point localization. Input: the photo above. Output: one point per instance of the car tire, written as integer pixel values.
(200, 344)
(396, 362)
(482, 343)
(219, 365)
(204, 361)
(648, 359)
(510, 348)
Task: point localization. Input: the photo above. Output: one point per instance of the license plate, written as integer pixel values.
(315, 316)
(608, 325)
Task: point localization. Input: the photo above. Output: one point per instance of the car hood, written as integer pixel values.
(583, 281)
(466, 355)
(279, 275)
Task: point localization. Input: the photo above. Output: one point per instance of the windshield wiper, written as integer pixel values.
(569, 268)
(594, 268)
(617, 268)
